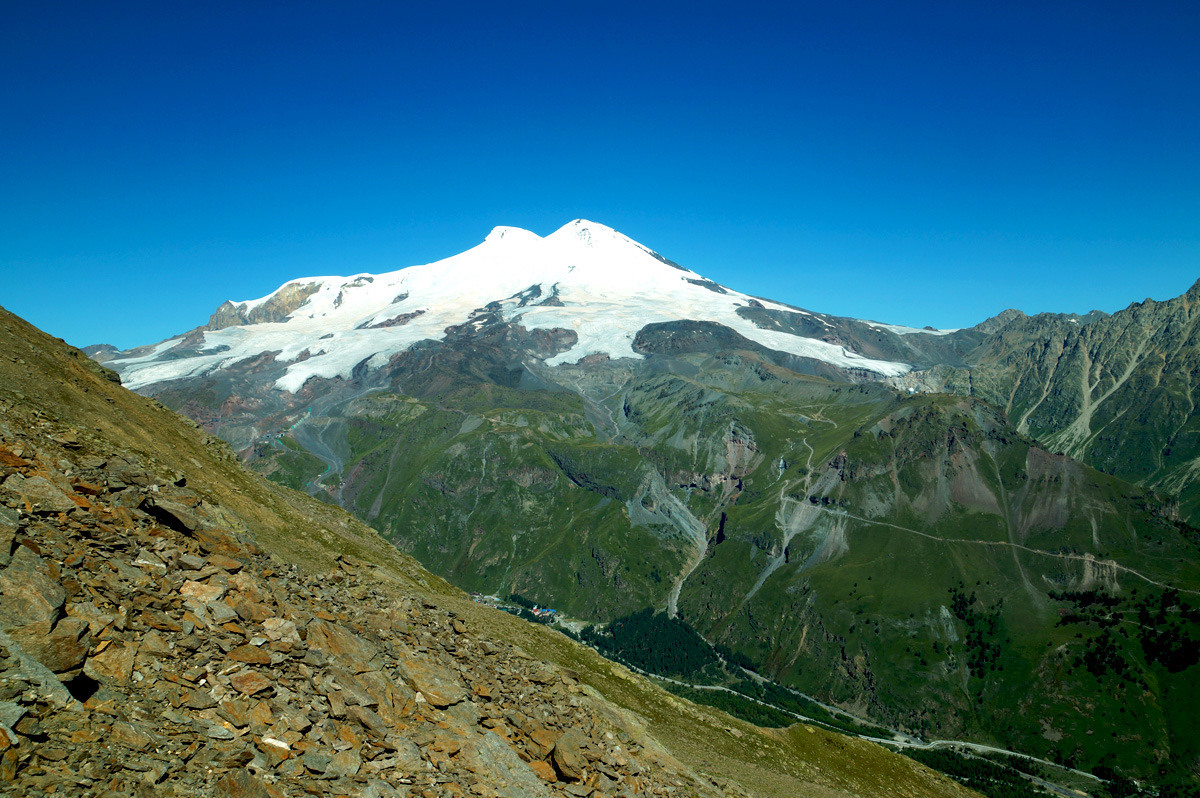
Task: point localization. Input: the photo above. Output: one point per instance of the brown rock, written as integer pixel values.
(131, 736)
(440, 686)
(64, 649)
(277, 751)
(28, 592)
(154, 645)
(38, 493)
(226, 563)
(544, 739)
(247, 610)
(249, 682)
(113, 664)
(172, 514)
(201, 592)
(201, 699)
(86, 488)
(218, 541)
(11, 460)
(240, 784)
(344, 763)
(543, 770)
(250, 654)
(261, 715)
(369, 720)
(340, 643)
(568, 755)
(236, 711)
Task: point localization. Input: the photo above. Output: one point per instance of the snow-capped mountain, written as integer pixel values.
(587, 279)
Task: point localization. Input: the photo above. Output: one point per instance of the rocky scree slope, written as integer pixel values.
(144, 646)
(151, 646)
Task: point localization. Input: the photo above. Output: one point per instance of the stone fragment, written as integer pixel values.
(544, 676)
(9, 523)
(250, 654)
(113, 664)
(221, 612)
(11, 713)
(249, 682)
(11, 459)
(216, 731)
(28, 592)
(316, 761)
(226, 563)
(261, 714)
(340, 643)
(190, 562)
(568, 755)
(172, 514)
(543, 770)
(136, 737)
(249, 611)
(344, 763)
(201, 591)
(218, 541)
(277, 751)
(368, 719)
(63, 649)
(148, 559)
(544, 739)
(281, 629)
(376, 788)
(241, 784)
(200, 699)
(8, 766)
(236, 711)
(38, 493)
(154, 645)
(488, 753)
(408, 755)
(440, 686)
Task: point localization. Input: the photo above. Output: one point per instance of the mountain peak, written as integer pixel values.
(589, 233)
(502, 232)
(599, 289)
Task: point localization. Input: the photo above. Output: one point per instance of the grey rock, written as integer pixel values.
(27, 593)
(42, 494)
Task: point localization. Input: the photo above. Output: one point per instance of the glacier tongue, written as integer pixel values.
(608, 287)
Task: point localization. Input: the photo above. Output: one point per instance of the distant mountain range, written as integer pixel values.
(982, 532)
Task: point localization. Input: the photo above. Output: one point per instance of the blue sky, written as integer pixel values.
(917, 163)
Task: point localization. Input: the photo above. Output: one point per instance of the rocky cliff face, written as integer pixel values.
(1115, 392)
(277, 308)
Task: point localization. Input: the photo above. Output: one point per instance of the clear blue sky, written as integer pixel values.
(916, 163)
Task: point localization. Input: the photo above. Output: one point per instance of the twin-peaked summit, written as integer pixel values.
(592, 285)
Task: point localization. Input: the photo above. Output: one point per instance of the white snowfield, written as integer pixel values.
(610, 287)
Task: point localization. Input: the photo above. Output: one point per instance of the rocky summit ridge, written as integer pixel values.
(158, 637)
